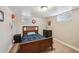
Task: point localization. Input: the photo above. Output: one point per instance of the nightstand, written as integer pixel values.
(17, 38)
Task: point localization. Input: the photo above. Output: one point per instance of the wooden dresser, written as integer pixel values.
(47, 33)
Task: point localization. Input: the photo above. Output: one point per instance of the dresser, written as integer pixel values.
(47, 33)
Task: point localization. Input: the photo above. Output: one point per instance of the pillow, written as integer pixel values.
(30, 33)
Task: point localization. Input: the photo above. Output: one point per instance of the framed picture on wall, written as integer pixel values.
(49, 23)
(1, 16)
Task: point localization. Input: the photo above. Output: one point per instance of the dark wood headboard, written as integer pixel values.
(27, 29)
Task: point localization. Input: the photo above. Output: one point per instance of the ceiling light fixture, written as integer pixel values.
(44, 8)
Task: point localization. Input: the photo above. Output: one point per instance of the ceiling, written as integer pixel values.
(35, 11)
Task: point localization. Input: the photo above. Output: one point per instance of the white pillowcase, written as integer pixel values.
(30, 33)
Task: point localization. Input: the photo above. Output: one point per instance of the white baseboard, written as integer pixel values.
(62, 42)
(9, 48)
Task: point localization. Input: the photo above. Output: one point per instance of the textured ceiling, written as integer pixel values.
(35, 11)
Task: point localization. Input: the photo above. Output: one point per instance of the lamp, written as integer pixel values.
(44, 8)
(24, 28)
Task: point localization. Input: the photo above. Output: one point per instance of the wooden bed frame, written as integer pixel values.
(35, 46)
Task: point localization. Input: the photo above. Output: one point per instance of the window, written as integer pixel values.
(66, 16)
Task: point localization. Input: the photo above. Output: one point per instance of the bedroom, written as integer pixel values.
(61, 20)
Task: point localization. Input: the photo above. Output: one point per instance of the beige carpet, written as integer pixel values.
(58, 48)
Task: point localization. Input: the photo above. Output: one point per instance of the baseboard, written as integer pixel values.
(64, 43)
(9, 48)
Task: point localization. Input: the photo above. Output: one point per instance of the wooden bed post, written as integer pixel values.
(51, 43)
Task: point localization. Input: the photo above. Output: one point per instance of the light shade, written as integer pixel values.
(44, 8)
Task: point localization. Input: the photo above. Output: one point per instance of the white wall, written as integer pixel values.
(67, 31)
(5, 30)
(28, 22)
(16, 24)
(39, 22)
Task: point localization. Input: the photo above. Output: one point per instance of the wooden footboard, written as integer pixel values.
(36, 46)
